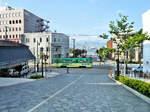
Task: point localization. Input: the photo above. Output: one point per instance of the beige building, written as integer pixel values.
(15, 22)
(134, 54)
(54, 45)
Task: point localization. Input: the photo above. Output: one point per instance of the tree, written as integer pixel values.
(104, 36)
(136, 41)
(78, 52)
(104, 52)
(121, 30)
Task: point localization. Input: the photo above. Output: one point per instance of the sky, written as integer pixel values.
(83, 17)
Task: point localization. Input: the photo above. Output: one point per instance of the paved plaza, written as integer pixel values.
(82, 90)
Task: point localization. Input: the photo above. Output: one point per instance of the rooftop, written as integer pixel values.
(9, 43)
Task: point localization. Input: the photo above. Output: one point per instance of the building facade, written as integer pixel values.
(132, 55)
(53, 45)
(15, 22)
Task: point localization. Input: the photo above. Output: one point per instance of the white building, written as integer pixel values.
(54, 45)
(15, 22)
(146, 22)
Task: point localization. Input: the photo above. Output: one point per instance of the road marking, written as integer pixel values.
(52, 96)
(102, 83)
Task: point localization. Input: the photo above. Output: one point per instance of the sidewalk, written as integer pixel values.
(13, 81)
(46, 74)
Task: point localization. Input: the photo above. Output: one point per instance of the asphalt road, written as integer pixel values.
(82, 90)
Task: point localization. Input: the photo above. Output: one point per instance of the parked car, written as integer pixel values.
(6, 72)
(13, 72)
(138, 69)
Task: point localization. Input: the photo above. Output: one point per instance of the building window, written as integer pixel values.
(47, 39)
(54, 39)
(34, 40)
(9, 14)
(9, 29)
(13, 29)
(0, 36)
(16, 29)
(19, 28)
(9, 22)
(41, 49)
(19, 21)
(16, 36)
(40, 39)
(13, 36)
(26, 40)
(19, 35)
(16, 21)
(4, 15)
(13, 22)
(47, 49)
(9, 36)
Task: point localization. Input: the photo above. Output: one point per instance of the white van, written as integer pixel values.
(25, 70)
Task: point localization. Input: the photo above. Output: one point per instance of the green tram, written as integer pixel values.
(73, 62)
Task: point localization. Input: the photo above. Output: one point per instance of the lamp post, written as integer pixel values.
(37, 56)
(42, 56)
(118, 60)
(73, 48)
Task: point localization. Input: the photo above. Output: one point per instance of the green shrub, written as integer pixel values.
(116, 77)
(140, 86)
(36, 77)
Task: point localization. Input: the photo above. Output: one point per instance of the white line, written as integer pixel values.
(50, 97)
(102, 83)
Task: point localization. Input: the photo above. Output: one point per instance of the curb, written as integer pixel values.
(145, 98)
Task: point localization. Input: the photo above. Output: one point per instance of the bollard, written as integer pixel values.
(111, 73)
